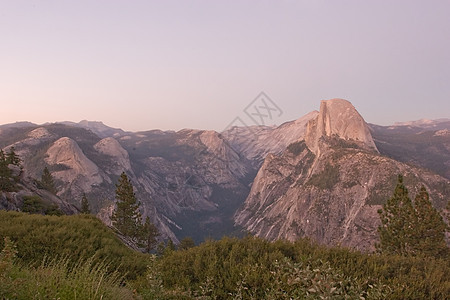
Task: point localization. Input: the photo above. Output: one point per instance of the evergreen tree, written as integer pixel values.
(6, 183)
(397, 222)
(126, 216)
(47, 181)
(429, 229)
(149, 235)
(85, 205)
(409, 228)
(186, 243)
(12, 158)
(170, 246)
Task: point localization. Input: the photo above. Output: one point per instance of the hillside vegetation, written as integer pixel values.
(74, 237)
(77, 257)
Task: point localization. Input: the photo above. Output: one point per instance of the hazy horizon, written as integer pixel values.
(144, 65)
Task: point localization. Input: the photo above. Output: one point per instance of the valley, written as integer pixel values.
(323, 176)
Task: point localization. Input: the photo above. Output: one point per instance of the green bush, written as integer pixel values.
(45, 257)
(35, 205)
(252, 268)
(74, 237)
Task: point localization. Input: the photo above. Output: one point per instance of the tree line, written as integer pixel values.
(411, 228)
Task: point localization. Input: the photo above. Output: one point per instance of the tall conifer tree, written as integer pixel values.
(85, 205)
(430, 228)
(397, 221)
(409, 228)
(126, 216)
(6, 185)
(47, 181)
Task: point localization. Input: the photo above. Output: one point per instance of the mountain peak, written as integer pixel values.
(338, 117)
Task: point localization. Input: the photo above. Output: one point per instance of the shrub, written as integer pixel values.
(73, 237)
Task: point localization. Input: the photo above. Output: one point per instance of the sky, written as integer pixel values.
(141, 65)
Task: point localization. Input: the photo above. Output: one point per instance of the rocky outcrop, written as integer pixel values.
(119, 157)
(330, 186)
(332, 199)
(338, 118)
(320, 175)
(73, 167)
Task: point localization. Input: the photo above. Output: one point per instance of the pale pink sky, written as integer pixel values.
(174, 64)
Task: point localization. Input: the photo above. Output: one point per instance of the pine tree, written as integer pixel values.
(6, 183)
(85, 205)
(126, 216)
(149, 235)
(397, 222)
(429, 230)
(47, 181)
(408, 228)
(12, 158)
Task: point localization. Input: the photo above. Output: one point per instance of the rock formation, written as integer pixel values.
(319, 176)
(338, 118)
(330, 185)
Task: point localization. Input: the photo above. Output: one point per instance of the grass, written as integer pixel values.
(58, 278)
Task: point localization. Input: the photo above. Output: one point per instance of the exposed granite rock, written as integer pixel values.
(76, 169)
(332, 198)
(338, 118)
(256, 142)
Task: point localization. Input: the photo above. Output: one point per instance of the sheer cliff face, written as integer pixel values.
(338, 118)
(330, 185)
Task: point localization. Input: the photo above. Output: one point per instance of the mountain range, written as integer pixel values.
(322, 176)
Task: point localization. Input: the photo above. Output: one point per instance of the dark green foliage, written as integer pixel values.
(74, 237)
(252, 268)
(397, 220)
(47, 182)
(337, 142)
(297, 148)
(326, 179)
(126, 217)
(12, 158)
(7, 183)
(149, 236)
(186, 243)
(429, 228)
(170, 246)
(409, 228)
(82, 253)
(85, 205)
(35, 205)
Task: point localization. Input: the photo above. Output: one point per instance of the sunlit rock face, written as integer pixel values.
(319, 176)
(76, 168)
(338, 118)
(329, 186)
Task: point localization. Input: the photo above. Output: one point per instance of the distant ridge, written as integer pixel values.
(96, 127)
(422, 122)
(18, 125)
